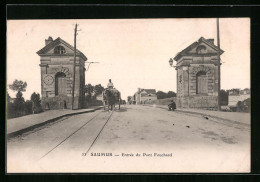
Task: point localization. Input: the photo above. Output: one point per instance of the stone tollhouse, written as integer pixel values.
(57, 58)
(197, 75)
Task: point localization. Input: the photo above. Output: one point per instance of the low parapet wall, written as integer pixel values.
(198, 102)
(165, 101)
(59, 102)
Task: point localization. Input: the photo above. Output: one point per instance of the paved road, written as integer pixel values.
(133, 139)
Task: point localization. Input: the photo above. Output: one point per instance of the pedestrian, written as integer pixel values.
(172, 106)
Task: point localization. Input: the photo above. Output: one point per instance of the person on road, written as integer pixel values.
(110, 84)
(172, 106)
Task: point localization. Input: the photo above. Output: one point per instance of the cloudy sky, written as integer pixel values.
(134, 53)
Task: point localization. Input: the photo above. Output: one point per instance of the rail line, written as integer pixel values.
(99, 132)
(64, 140)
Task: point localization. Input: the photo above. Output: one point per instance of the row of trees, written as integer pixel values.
(91, 93)
(17, 106)
(164, 95)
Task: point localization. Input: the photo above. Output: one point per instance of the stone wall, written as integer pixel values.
(211, 72)
(165, 101)
(197, 102)
(146, 98)
(64, 65)
(59, 102)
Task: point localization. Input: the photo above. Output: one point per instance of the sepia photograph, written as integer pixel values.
(147, 95)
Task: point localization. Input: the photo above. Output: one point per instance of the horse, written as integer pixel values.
(111, 97)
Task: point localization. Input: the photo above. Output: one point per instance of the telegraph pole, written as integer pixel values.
(74, 67)
(218, 39)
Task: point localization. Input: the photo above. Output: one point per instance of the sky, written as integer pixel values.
(134, 53)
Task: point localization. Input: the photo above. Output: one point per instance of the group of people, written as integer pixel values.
(171, 106)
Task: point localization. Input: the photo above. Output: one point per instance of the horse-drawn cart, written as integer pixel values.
(111, 97)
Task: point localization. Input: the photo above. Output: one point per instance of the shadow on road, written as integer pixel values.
(121, 110)
(116, 110)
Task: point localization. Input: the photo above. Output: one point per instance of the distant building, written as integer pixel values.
(100, 97)
(197, 75)
(236, 95)
(57, 58)
(143, 95)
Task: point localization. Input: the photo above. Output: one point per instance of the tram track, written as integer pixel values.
(76, 131)
(99, 132)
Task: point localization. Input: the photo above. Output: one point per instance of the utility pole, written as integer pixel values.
(218, 39)
(74, 67)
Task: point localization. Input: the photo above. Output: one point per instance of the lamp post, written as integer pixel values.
(171, 64)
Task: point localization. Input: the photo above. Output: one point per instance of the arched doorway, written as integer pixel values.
(60, 84)
(201, 83)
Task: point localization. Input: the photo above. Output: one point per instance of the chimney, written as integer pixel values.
(211, 41)
(49, 40)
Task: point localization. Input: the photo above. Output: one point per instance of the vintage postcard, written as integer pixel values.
(168, 95)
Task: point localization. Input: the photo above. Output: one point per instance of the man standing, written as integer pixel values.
(110, 84)
(172, 106)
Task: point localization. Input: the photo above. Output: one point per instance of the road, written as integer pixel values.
(133, 139)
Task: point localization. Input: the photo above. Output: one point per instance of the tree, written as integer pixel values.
(36, 103)
(18, 85)
(19, 104)
(89, 89)
(18, 108)
(28, 107)
(98, 89)
(171, 94)
(10, 107)
(161, 95)
(8, 98)
(129, 98)
(239, 106)
(246, 105)
(92, 92)
(223, 97)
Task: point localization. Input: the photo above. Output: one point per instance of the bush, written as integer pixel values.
(35, 99)
(28, 107)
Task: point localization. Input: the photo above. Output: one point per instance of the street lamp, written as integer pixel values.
(171, 62)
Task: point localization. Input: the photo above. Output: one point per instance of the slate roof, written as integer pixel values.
(57, 41)
(202, 39)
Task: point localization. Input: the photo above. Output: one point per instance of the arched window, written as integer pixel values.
(59, 50)
(201, 49)
(60, 84)
(201, 83)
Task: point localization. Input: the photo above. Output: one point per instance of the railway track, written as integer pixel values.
(77, 130)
